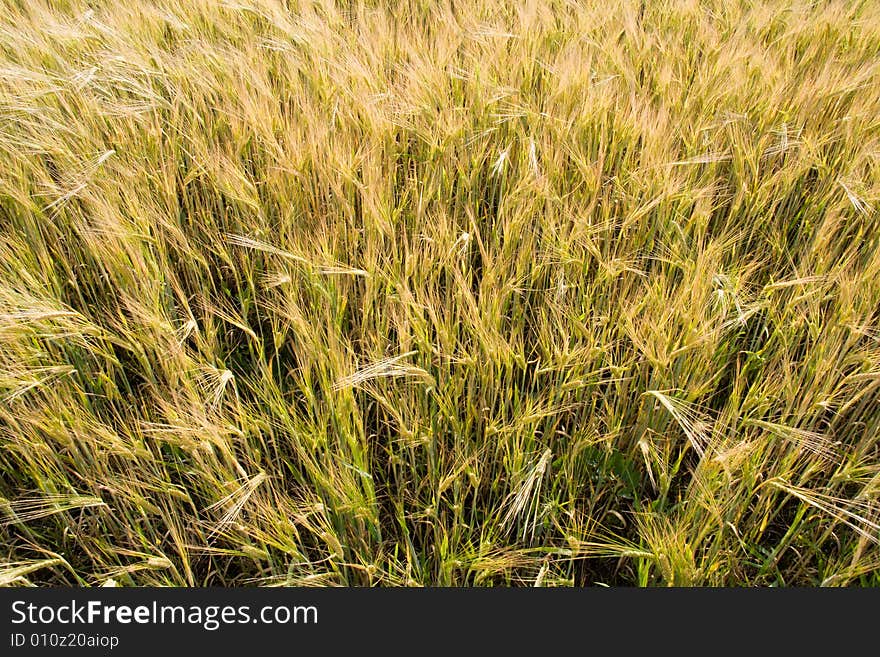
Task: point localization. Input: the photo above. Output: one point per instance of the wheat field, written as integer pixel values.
(540, 293)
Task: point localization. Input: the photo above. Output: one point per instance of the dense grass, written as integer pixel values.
(380, 293)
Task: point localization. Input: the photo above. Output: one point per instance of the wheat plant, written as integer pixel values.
(539, 293)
